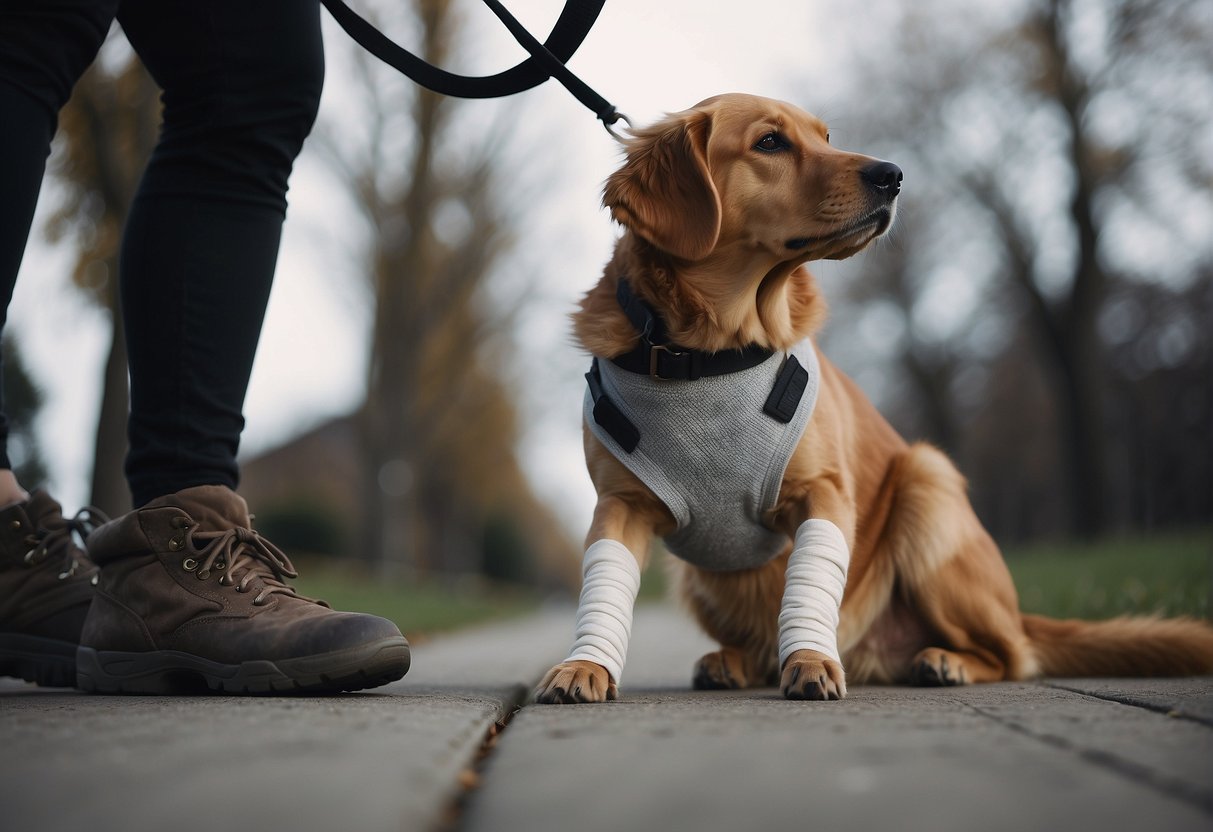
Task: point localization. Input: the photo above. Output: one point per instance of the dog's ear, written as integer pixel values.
(664, 191)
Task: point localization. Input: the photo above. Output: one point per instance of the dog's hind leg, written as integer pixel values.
(952, 575)
(729, 668)
(737, 609)
(969, 605)
(937, 667)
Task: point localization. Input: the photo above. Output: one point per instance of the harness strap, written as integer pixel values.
(663, 361)
(547, 59)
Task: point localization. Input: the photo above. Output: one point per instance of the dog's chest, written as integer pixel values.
(711, 454)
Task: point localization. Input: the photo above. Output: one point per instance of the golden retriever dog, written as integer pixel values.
(721, 207)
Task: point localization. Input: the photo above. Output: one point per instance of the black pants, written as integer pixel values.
(241, 82)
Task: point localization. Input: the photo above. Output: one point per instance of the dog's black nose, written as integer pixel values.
(884, 176)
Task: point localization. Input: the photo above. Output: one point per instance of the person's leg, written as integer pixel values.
(241, 86)
(25, 140)
(189, 592)
(45, 46)
(45, 579)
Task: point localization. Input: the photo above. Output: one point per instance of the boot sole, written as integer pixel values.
(173, 672)
(44, 661)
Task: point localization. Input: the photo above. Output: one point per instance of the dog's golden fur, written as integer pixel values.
(716, 235)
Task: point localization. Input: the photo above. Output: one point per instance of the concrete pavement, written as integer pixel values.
(1069, 754)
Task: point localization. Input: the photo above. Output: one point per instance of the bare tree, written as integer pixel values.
(1050, 151)
(107, 131)
(438, 425)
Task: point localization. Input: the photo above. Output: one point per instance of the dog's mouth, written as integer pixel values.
(868, 227)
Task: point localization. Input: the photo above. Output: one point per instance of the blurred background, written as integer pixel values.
(1043, 309)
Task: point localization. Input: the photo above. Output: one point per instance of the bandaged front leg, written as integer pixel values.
(808, 616)
(604, 612)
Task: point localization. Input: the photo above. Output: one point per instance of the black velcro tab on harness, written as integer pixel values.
(609, 417)
(786, 394)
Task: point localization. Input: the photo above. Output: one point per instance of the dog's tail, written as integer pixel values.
(1126, 646)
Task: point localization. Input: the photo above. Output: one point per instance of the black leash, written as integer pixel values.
(547, 59)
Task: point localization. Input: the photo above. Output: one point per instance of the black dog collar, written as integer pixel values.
(655, 356)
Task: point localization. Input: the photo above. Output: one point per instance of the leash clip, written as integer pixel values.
(608, 122)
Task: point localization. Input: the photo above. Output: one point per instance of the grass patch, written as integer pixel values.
(655, 580)
(418, 608)
(1170, 574)
(1167, 573)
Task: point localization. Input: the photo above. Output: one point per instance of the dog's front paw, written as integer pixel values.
(576, 681)
(812, 675)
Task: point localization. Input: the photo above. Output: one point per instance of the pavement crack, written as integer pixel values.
(1119, 765)
(471, 775)
(1134, 702)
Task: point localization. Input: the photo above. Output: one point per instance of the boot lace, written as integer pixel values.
(244, 557)
(63, 538)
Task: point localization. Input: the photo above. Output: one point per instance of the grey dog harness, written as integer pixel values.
(713, 450)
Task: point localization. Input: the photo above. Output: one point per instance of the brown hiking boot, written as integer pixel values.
(191, 597)
(46, 584)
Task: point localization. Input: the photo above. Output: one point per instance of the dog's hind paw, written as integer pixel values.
(578, 681)
(808, 674)
(936, 667)
(721, 670)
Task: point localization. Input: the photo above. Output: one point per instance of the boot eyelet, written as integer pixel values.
(259, 601)
(189, 564)
(220, 565)
(95, 580)
(175, 544)
(15, 525)
(203, 574)
(29, 556)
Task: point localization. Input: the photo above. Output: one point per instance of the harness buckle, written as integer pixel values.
(654, 350)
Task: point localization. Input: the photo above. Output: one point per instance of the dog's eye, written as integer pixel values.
(771, 143)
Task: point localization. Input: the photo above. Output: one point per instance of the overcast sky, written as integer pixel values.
(646, 57)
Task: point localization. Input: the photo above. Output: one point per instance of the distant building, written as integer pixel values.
(306, 496)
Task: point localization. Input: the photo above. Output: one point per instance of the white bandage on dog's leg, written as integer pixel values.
(816, 578)
(604, 611)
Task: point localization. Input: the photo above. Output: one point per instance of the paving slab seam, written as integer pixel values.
(1135, 702)
(1128, 769)
(451, 818)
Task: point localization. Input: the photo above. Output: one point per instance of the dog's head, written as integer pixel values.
(744, 171)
